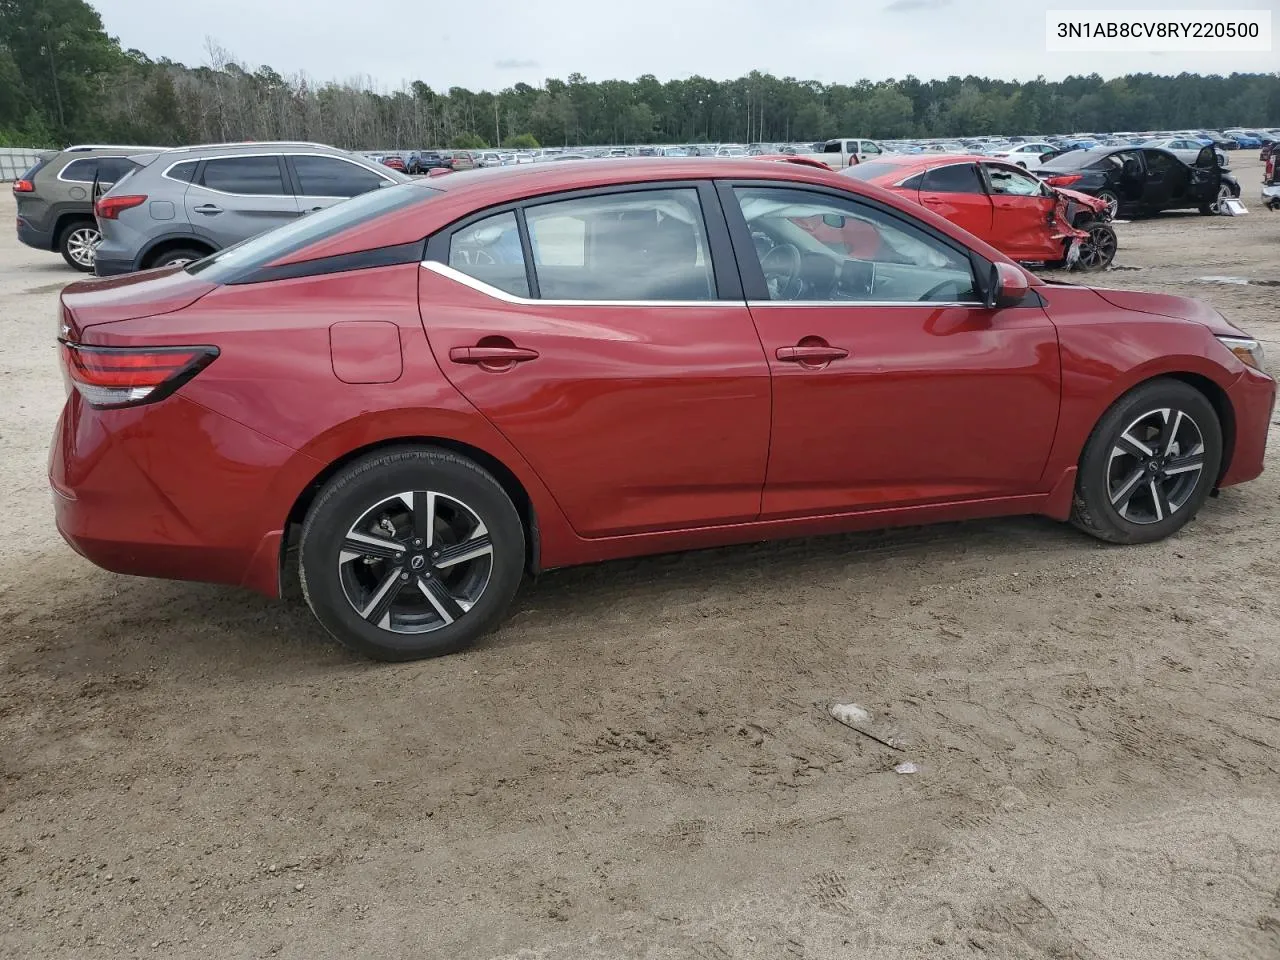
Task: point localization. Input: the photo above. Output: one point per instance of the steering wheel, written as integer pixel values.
(937, 288)
(781, 267)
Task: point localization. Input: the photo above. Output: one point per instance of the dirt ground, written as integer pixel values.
(640, 764)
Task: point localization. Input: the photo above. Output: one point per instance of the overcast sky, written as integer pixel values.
(488, 44)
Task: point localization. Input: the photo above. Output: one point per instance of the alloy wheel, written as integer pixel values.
(1099, 249)
(82, 245)
(1155, 466)
(415, 562)
(1224, 193)
(1113, 206)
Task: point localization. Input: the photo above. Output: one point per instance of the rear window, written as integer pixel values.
(1072, 160)
(227, 265)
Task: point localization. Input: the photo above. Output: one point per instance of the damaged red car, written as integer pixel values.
(1017, 213)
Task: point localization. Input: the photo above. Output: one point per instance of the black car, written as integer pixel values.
(1142, 180)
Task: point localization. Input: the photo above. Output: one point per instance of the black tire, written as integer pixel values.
(370, 486)
(1112, 200)
(1099, 251)
(182, 255)
(71, 244)
(1108, 467)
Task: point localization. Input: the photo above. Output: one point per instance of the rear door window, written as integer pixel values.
(954, 178)
(247, 176)
(183, 172)
(646, 245)
(333, 177)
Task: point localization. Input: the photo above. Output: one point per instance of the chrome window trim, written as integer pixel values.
(110, 156)
(756, 304)
(497, 293)
(271, 153)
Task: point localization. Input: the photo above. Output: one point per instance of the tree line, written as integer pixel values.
(63, 79)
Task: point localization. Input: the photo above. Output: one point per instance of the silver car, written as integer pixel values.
(184, 204)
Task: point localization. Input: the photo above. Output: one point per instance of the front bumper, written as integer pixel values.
(1253, 399)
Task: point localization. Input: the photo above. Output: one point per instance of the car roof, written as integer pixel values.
(257, 146)
(460, 195)
(907, 163)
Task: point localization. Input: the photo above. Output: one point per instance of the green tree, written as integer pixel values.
(521, 141)
(468, 141)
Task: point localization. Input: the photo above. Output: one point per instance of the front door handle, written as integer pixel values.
(811, 354)
(208, 208)
(492, 356)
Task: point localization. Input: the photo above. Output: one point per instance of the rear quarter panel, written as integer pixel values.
(274, 374)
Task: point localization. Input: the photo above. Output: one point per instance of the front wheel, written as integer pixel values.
(1149, 465)
(411, 553)
(1099, 250)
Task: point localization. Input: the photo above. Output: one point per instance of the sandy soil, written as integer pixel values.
(640, 764)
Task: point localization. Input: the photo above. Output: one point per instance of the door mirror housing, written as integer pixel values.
(1007, 286)
(833, 220)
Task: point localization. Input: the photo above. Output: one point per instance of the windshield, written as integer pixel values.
(228, 264)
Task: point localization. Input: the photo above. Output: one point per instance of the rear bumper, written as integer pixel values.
(212, 513)
(103, 267)
(1253, 399)
(32, 236)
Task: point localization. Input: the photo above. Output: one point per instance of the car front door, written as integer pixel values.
(321, 181)
(233, 198)
(956, 191)
(892, 384)
(1206, 177)
(609, 341)
(1022, 209)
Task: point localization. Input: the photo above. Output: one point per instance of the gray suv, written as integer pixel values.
(183, 204)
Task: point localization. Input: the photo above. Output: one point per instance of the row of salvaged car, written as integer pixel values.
(115, 210)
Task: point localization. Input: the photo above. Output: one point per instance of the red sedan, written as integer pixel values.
(1014, 211)
(433, 388)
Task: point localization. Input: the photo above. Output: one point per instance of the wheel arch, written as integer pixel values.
(172, 241)
(505, 476)
(64, 218)
(1222, 406)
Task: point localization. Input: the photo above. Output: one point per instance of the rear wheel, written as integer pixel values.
(179, 257)
(411, 553)
(1149, 465)
(78, 244)
(1112, 200)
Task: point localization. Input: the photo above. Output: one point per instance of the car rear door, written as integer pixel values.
(233, 198)
(1022, 209)
(321, 180)
(1167, 179)
(894, 386)
(605, 334)
(956, 191)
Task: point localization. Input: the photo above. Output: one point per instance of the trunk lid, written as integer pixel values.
(89, 303)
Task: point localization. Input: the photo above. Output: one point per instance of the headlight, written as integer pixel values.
(1248, 350)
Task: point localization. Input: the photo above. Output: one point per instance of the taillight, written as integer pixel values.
(23, 186)
(131, 376)
(108, 208)
(1065, 180)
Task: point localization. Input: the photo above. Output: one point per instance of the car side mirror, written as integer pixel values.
(1007, 286)
(833, 220)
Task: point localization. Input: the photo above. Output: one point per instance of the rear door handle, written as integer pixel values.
(814, 354)
(208, 208)
(492, 356)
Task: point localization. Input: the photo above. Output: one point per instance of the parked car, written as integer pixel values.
(55, 199)
(1271, 184)
(465, 160)
(1246, 139)
(1026, 154)
(1138, 181)
(184, 204)
(395, 162)
(419, 388)
(1186, 149)
(999, 202)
